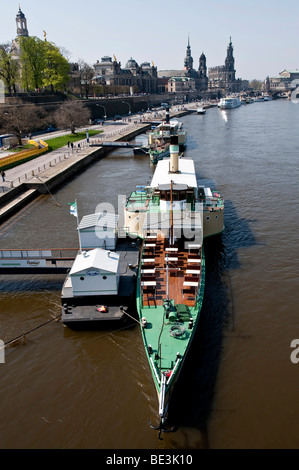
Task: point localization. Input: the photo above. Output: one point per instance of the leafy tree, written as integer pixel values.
(33, 61)
(56, 70)
(71, 115)
(21, 120)
(256, 85)
(8, 68)
(42, 65)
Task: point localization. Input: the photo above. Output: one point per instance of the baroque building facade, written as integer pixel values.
(223, 77)
(219, 78)
(188, 78)
(109, 72)
(286, 81)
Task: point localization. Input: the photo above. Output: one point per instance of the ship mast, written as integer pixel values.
(171, 213)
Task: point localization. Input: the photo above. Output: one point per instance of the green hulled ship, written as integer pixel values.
(168, 215)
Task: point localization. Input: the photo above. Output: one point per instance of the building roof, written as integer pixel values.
(99, 219)
(20, 14)
(181, 79)
(98, 258)
(131, 64)
(172, 73)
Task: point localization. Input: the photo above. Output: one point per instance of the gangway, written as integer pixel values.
(52, 261)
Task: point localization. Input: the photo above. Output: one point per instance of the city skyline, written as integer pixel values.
(263, 36)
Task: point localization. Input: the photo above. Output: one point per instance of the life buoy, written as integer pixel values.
(102, 309)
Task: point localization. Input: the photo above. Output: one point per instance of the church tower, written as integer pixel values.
(230, 73)
(188, 62)
(21, 21)
(22, 32)
(202, 73)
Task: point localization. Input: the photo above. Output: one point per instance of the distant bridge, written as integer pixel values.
(117, 144)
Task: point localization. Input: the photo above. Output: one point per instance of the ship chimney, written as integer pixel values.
(167, 116)
(174, 154)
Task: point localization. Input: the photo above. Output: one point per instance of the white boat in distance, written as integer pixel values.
(229, 103)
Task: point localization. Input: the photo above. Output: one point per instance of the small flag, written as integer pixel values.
(73, 208)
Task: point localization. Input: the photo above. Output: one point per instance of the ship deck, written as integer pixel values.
(184, 272)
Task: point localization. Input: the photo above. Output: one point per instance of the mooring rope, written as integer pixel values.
(8, 343)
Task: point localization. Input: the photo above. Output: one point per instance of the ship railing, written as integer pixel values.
(139, 201)
(173, 371)
(155, 370)
(212, 202)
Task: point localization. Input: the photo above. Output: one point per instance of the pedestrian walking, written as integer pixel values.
(68, 144)
(72, 145)
(3, 175)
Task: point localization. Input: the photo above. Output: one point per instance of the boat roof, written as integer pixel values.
(99, 219)
(171, 123)
(186, 175)
(96, 259)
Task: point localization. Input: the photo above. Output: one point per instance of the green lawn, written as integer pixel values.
(58, 142)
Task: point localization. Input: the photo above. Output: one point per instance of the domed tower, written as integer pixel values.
(132, 66)
(202, 72)
(21, 21)
(188, 62)
(22, 32)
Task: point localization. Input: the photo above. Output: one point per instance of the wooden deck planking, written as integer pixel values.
(177, 273)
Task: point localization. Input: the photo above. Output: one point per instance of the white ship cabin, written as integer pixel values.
(99, 230)
(170, 126)
(96, 272)
(176, 174)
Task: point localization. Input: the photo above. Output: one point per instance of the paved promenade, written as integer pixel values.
(37, 168)
(24, 172)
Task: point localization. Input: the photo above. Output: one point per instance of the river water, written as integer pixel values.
(64, 389)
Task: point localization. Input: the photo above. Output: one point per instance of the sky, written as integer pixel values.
(264, 33)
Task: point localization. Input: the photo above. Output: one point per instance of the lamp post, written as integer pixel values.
(105, 116)
(128, 105)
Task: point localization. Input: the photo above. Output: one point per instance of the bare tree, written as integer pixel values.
(71, 115)
(22, 120)
(86, 75)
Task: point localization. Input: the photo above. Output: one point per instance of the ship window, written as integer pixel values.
(208, 218)
(81, 278)
(104, 277)
(216, 216)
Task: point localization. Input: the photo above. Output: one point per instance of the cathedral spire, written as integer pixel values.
(188, 62)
